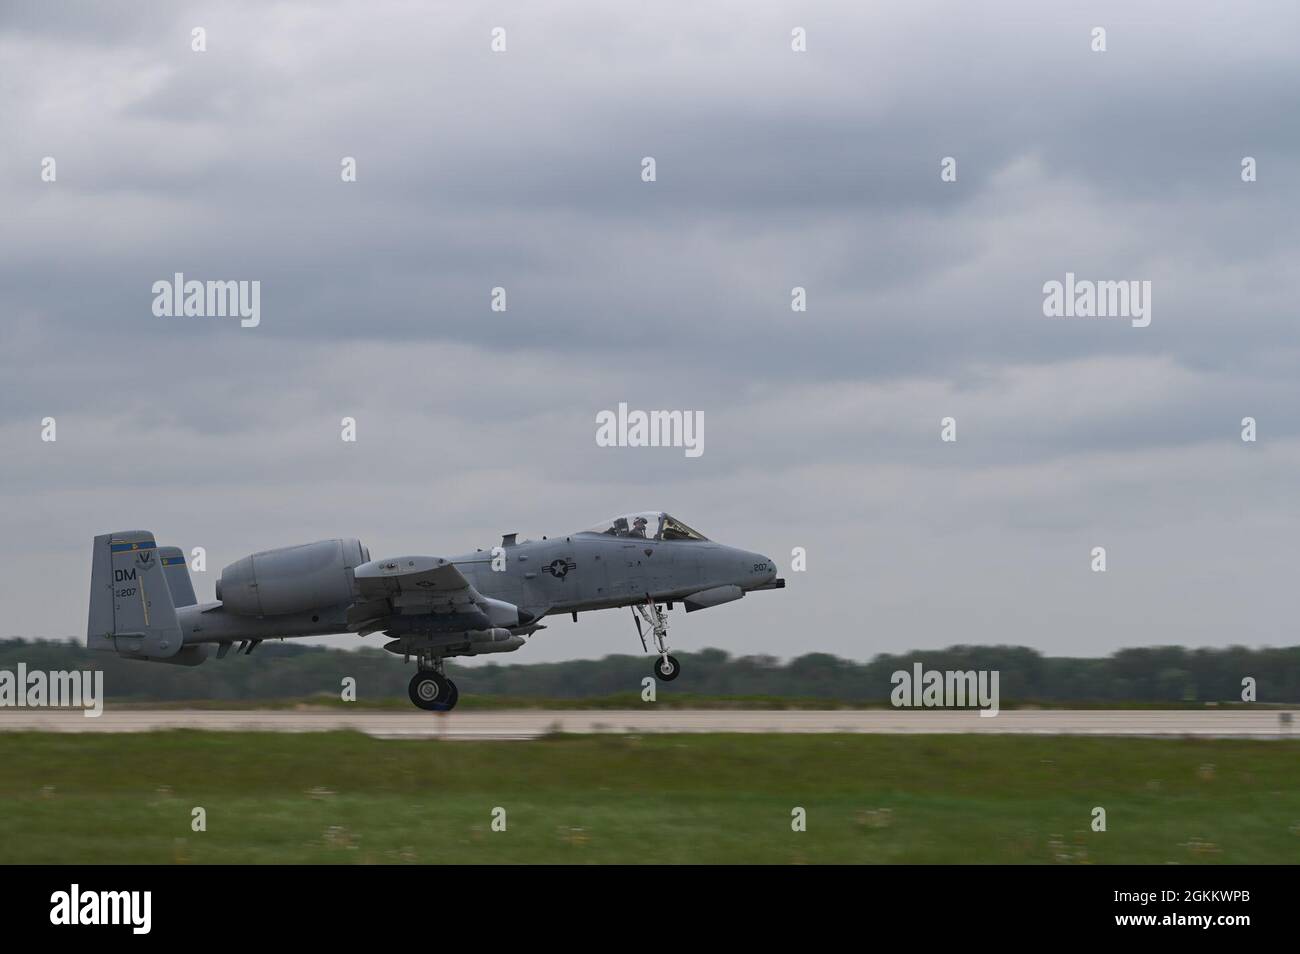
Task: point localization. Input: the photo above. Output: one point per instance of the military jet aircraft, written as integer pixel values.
(143, 606)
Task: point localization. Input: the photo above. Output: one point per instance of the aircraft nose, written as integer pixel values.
(759, 569)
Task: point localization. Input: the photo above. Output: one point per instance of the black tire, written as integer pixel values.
(667, 668)
(433, 692)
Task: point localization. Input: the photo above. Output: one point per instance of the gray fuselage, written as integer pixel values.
(590, 571)
(570, 574)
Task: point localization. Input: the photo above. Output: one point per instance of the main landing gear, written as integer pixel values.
(666, 667)
(430, 688)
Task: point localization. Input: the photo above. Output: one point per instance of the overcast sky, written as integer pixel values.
(774, 169)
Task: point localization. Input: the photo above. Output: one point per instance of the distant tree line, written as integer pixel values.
(289, 671)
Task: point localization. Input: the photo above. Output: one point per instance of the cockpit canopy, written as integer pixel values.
(647, 525)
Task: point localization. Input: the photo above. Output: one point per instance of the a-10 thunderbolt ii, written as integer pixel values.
(142, 603)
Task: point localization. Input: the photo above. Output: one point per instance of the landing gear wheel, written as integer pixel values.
(433, 691)
(667, 668)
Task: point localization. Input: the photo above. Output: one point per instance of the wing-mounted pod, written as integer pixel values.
(714, 596)
(471, 643)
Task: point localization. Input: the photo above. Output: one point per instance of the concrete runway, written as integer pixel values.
(531, 723)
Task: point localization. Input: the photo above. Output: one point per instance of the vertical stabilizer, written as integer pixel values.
(131, 608)
(178, 576)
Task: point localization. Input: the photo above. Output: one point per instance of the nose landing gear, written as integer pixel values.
(666, 667)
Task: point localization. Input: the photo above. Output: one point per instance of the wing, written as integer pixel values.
(413, 584)
(383, 579)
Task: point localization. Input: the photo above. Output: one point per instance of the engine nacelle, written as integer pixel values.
(292, 579)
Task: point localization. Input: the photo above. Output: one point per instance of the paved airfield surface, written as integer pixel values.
(531, 723)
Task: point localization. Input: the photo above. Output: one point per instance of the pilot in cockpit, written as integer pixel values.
(638, 528)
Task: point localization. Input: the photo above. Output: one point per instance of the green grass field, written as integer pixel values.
(344, 797)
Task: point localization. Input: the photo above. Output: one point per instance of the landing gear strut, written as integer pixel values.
(666, 667)
(430, 688)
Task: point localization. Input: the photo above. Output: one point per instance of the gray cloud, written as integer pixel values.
(775, 170)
